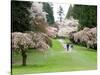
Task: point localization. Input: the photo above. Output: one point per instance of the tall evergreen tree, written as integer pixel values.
(69, 11)
(60, 13)
(20, 19)
(47, 8)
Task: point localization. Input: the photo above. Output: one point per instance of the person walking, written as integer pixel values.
(67, 46)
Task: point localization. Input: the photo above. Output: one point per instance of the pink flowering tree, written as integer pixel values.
(21, 42)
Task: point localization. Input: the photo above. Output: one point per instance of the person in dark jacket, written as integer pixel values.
(67, 46)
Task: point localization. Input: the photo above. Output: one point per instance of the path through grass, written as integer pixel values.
(56, 60)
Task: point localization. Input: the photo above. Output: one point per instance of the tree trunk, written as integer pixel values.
(24, 57)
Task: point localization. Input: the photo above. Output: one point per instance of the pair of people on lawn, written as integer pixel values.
(68, 47)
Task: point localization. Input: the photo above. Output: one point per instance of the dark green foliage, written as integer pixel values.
(87, 15)
(47, 8)
(20, 19)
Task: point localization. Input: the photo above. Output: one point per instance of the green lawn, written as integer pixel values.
(56, 60)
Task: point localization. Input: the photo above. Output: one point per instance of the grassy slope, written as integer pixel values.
(56, 60)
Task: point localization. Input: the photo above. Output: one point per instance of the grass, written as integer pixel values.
(56, 60)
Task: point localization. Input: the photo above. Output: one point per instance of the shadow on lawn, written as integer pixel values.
(80, 47)
(35, 65)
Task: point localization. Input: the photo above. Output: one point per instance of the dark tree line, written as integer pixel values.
(86, 14)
